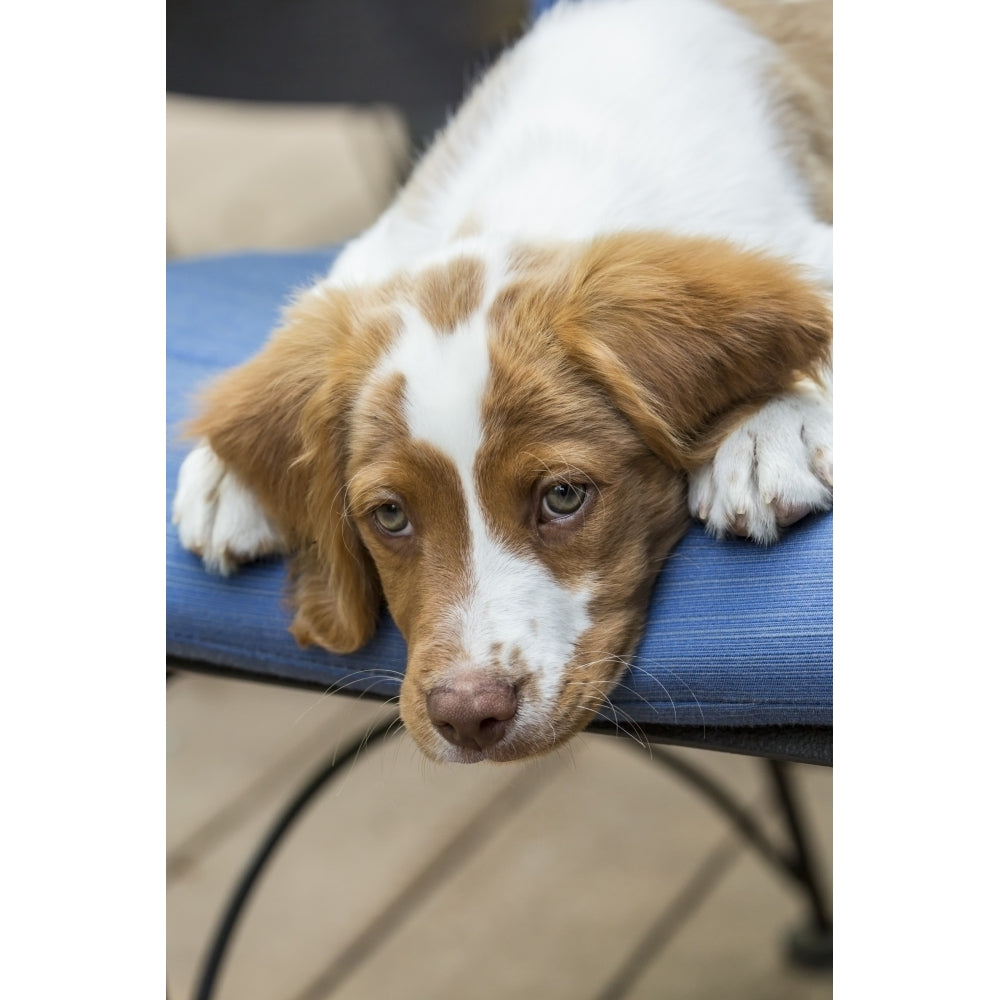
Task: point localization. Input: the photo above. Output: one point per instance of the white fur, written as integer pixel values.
(616, 115)
(445, 376)
(218, 517)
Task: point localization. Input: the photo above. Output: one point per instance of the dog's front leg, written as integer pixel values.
(218, 517)
(772, 470)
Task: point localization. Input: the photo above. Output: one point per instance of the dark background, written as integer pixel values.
(418, 55)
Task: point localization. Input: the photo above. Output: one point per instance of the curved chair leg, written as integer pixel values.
(812, 944)
(248, 880)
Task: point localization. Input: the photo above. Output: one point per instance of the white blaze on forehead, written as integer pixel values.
(445, 377)
(446, 372)
(515, 611)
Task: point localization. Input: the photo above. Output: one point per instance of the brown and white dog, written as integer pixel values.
(600, 305)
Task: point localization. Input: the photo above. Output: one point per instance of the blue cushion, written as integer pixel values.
(738, 635)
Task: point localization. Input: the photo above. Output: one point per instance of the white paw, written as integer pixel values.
(775, 468)
(217, 517)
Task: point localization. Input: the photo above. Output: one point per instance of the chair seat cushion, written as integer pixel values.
(738, 635)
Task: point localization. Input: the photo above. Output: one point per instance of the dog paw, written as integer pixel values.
(775, 468)
(217, 517)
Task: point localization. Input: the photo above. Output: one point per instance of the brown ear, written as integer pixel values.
(336, 593)
(683, 333)
(278, 422)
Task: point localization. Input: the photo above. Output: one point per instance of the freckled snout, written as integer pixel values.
(472, 712)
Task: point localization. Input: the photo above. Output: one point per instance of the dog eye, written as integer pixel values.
(392, 519)
(562, 500)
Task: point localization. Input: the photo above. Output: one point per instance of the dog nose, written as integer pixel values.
(472, 713)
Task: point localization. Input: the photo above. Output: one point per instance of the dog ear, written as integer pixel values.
(686, 335)
(336, 592)
(279, 422)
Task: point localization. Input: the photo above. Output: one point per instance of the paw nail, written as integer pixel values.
(823, 468)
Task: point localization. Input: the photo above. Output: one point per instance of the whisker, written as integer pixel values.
(622, 686)
(623, 723)
(339, 688)
(694, 697)
(632, 666)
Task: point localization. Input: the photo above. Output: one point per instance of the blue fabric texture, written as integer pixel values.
(738, 635)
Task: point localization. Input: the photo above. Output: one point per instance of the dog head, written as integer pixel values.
(498, 444)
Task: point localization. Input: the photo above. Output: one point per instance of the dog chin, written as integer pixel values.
(505, 752)
(500, 754)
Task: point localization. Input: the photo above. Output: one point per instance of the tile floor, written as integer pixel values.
(593, 873)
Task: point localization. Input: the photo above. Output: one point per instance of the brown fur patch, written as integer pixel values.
(280, 421)
(680, 332)
(378, 418)
(450, 293)
(423, 575)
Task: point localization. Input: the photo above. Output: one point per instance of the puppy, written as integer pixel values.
(599, 306)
